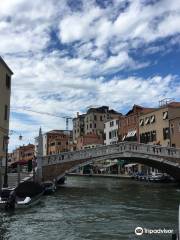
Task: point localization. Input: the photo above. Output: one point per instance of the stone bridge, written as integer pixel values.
(162, 158)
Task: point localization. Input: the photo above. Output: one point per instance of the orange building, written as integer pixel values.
(23, 153)
(89, 140)
(59, 141)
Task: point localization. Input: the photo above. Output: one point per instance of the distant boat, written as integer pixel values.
(25, 195)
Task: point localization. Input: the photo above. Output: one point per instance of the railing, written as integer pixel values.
(123, 147)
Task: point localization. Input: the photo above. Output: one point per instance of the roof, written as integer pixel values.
(173, 104)
(5, 65)
(140, 108)
(103, 109)
(169, 105)
(58, 131)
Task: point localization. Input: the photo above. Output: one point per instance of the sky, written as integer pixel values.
(68, 55)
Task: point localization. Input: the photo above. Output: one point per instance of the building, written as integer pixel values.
(96, 117)
(111, 131)
(59, 142)
(92, 122)
(5, 92)
(129, 124)
(55, 141)
(23, 153)
(89, 140)
(175, 132)
(160, 126)
(78, 126)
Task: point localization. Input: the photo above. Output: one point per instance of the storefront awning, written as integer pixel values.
(131, 164)
(131, 134)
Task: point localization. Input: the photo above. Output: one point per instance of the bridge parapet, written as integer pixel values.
(122, 147)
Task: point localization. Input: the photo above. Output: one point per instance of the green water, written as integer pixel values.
(96, 209)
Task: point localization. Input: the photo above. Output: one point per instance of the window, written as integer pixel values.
(111, 124)
(165, 115)
(179, 127)
(117, 122)
(101, 118)
(147, 121)
(90, 126)
(153, 136)
(152, 119)
(8, 81)
(110, 135)
(141, 123)
(172, 129)
(6, 112)
(95, 117)
(94, 125)
(166, 133)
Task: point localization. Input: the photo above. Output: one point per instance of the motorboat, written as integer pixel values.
(26, 194)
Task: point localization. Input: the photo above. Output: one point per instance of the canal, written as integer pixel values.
(96, 209)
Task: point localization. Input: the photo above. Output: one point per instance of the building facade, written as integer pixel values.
(55, 141)
(78, 126)
(23, 153)
(129, 124)
(89, 140)
(5, 92)
(158, 126)
(92, 123)
(111, 132)
(175, 132)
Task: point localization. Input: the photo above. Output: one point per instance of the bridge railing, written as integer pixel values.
(112, 149)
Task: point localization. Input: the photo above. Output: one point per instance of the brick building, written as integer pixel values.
(23, 153)
(89, 140)
(129, 124)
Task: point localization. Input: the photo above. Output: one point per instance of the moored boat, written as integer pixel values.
(25, 195)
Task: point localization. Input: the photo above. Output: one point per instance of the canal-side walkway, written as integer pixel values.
(13, 178)
(124, 176)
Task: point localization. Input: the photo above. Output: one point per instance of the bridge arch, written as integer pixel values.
(165, 159)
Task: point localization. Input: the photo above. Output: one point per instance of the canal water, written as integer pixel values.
(96, 209)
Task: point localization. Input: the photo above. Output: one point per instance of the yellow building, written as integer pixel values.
(5, 92)
(157, 127)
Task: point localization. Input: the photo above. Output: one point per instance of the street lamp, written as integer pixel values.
(6, 141)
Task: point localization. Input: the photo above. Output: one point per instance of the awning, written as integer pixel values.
(131, 164)
(131, 134)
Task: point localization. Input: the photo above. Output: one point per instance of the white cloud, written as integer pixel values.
(66, 72)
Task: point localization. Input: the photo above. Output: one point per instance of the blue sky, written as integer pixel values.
(67, 55)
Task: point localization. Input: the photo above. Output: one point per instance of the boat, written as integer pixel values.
(160, 178)
(49, 187)
(25, 195)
